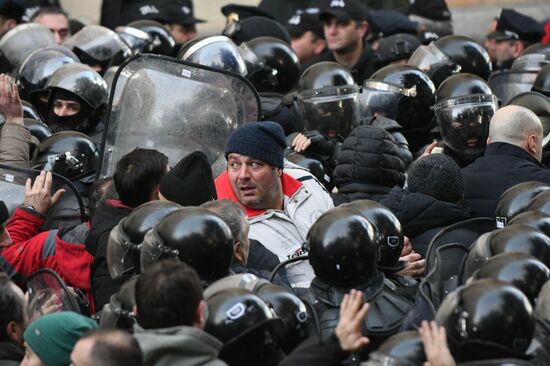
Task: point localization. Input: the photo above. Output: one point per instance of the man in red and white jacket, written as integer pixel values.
(281, 205)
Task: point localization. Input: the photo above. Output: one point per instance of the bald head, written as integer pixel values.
(517, 126)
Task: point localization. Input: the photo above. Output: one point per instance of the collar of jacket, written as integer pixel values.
(503, 148)
(118, 204)
(225, 191)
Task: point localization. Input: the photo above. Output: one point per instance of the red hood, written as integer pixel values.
(225, 191)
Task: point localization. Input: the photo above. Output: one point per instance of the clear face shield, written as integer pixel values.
(153, 250)
(381, 99)
(464, 122)
(433, 62)
(122, 254)
(334, 111)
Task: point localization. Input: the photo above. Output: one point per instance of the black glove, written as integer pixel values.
(320, 144)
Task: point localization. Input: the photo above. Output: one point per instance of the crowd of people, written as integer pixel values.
(338, 182)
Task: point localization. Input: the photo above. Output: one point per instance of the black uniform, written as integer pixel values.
(501, 167)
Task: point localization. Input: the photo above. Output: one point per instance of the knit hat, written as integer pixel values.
(53, 336)
(190, 182)
(438, 176)
(260, 140)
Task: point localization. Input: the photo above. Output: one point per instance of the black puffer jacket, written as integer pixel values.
(422, 216)
(368, 166)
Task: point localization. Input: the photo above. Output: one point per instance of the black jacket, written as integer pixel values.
(361, 71)
(501, 167)
(106, 217)
(423, 216)
(368, 166)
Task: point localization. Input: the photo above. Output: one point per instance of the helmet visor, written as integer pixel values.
(426, 56)
(333, 111)
(122, 255)
(381, 99)
(464, 122)
(48, 294)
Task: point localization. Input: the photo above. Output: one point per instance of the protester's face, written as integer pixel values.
(31, 359)
(183, 33)
(255, 183)
(82, 353)
(341, 36)
(306, 46)
(58, 25)
(66, 108)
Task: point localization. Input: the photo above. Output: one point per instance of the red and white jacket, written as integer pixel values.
(284, 231)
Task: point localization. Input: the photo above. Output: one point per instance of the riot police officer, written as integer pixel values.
(344, 253)
(487, 320)
(404, 94)
(464, 107)
(192, 235)
(98, 47)
(35, 71)
(78, 100)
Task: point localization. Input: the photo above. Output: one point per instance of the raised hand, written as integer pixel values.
(10, 104)
(38, 195)
(352, 316)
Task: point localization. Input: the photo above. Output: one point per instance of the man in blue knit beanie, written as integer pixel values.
(281, 205)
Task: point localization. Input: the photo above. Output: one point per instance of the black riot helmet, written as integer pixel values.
(279, 71)
(521, 270)
(163, 42)
(450, 55)
(98, 47)
(192, 235)
(402, 93)
(137, 39)
(30, 111)
(537, 48)
(388, 227)
(127, 237)
(516, 199)
(37, 128)
(80, 83)
(19, 42)
(244, 323)
(511, 239)
(70, 154)
(464, 107)
(328, 99)
(218, 52)
(542, 82)
(35, 71)
(282, 302)
(532, 62)
(487, 319)
(538, 104)
(119, 312)
(343, 248)
(396, 47)
(402, 349)
(540, 203)
(538, 220)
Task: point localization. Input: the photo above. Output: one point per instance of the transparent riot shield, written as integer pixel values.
(507, 84)
(68, 211)
(48, 294)
(175, 107)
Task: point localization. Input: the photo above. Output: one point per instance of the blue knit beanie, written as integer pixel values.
(260, 140)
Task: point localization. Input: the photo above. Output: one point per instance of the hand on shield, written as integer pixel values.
(10, 105)
(38, 195)
(300, 143)
(352, 316)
